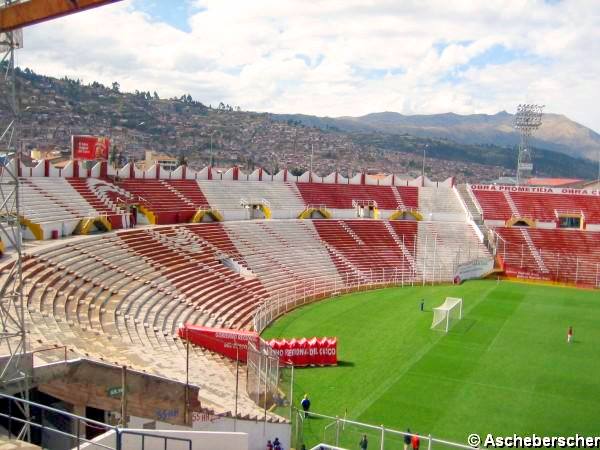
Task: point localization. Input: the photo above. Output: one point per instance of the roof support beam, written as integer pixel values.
(19, 15)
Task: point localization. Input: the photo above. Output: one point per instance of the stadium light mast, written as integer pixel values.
(527, 120)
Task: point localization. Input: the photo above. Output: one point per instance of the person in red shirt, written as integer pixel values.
(415, 442)
(570, 335)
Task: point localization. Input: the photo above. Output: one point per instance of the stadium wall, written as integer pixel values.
(200, 440)
(77, 170)
(256, 433)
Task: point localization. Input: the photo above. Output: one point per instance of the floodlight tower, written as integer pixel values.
(527, 120)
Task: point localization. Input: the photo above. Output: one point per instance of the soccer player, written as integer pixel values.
(363, 444)
(415, 442)
(407, 439)
(305, 404)
(422, 304)
(570, 335)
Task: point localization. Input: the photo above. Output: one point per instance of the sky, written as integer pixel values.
(337, 57)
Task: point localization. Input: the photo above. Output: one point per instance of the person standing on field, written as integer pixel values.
(570, 335)
(305, 404)
(407, 439)
(415, 442)
(422, 304)
(363, 442)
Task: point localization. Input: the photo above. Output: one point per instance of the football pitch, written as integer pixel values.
(504, 368)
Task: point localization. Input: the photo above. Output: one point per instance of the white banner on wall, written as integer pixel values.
(477, 268)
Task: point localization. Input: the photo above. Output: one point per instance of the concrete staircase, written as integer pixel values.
(534, 251)
(511, 204)
(351, 233)
(401, 206)
(400, 243)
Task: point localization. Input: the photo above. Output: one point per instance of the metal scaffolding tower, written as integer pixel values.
(527, 120)
(16, 363)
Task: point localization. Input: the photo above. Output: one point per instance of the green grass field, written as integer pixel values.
(505, 368)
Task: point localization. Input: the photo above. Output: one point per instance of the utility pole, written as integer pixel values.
(123, 397)
(312, 152)
(212, 156)
(187, 375)
(237, 382)
(598, 179)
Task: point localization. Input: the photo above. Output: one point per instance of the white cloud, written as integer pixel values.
(410, 56)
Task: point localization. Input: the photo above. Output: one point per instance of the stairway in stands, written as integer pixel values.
(348, 271)
(401, 206)
(351, 232)
(513, 207)
(176, 192)
(468, 200)
(401, 244)
(82, 186)
(536, 254)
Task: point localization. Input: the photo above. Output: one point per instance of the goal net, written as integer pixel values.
(447, 313)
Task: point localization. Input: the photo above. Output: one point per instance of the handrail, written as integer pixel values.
(57, 411)
(64, 347)
(119, 432)
(157, 436)
(427, 438)
(80, 439)
(357, 203)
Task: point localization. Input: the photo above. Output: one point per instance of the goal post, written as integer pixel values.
(447, 313)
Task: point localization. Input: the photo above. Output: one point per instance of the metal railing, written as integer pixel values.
(340, 432)
(81, 424)
(433, 266)
(357, 203)
(562, 267)
(307, 291)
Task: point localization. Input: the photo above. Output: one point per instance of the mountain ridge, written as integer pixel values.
(224, 136)
(557, 132)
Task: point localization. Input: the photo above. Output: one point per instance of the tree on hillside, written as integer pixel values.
(156, 97)
(116, 86)
(121, 160)
(181, 159)
(114, 156)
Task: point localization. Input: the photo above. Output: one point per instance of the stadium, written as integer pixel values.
(224, 308)
(239, 251)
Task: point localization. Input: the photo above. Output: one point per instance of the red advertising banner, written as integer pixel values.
(90, 147)
(233, 343)
(224, 341)
(306, 352)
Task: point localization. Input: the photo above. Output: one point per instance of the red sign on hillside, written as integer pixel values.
(90, 147)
